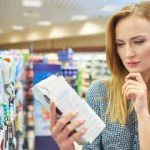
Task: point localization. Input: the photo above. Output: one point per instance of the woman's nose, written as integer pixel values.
(129, 52)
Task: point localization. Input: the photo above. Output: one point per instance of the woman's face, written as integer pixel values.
(133, 43)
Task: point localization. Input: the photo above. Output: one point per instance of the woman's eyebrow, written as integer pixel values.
(118, 40)
(138, 36)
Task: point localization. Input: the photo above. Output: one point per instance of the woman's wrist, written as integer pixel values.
(142, 116)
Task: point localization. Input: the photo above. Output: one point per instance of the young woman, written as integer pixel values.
(123, 102)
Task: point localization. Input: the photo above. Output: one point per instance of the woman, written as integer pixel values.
(123, 102)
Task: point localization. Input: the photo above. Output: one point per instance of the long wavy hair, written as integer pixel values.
(118, 110)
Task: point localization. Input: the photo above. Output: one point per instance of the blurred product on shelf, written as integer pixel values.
(28, 108)
(91, 67)
(11, 100)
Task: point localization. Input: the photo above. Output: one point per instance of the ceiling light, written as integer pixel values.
(79, 17)
(90, 28)
(1, 31)
(32, 3)
(44, 23)
(17, 27)
(30, 14)
(109, 8)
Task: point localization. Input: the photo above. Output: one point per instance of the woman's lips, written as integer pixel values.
(132, 64)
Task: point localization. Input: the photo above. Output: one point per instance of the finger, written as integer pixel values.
(128, 95)
(129, 82)
(138, 87)
(63, 121)
(71, 127)
(131, 94)
(53, 114)
(77, 135)
(130, 87)
(137, 76)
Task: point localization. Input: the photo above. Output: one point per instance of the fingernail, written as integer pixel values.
(75, 113)
(82, 120)
(83, 130)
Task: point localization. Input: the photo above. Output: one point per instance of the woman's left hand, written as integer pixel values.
(136, 91)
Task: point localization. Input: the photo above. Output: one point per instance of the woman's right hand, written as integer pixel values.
(60, 129)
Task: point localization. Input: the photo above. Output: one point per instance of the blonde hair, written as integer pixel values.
(118, 110)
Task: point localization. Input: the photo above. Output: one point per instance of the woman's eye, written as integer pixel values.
(139, 42)
(119, 44)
